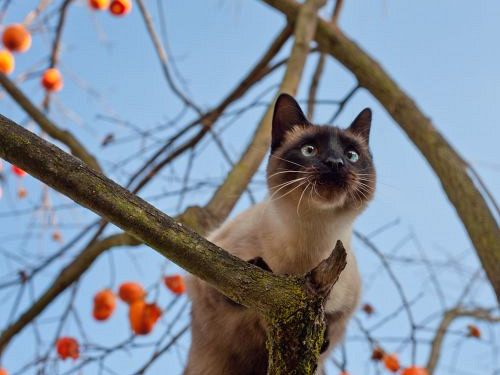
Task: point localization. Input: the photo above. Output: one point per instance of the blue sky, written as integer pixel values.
(444, 54)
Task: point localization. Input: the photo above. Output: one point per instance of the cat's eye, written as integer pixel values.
(308, 150)
(352, 156)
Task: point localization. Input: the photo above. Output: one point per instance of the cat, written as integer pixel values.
(320, 178)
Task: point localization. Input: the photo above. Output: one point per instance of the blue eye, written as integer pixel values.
(308, 150)
(352, 156)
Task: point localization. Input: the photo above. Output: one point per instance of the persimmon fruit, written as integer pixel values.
(120, 7)
(18, 171)
(474, 331)
(52, 80)
(130, 292)
(98, 4)
(143, 317)
(7, 62)
(16, 38)
(104, 304)
(68, 347)
(175, 284)
(391, 362)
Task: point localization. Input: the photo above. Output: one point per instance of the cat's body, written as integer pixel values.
(292, 234)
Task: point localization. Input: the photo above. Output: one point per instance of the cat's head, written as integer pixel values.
(319, 166)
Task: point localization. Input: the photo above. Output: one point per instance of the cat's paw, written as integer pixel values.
(261, 263)
(326, 344)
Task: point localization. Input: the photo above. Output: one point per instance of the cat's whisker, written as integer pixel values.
(290, 191)
(284, 186)
(365, 186)
(286, 183)
(288, 171)
(288, 161)
(317, 192)
(302, 195)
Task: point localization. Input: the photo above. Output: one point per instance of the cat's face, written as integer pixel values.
(319, 166)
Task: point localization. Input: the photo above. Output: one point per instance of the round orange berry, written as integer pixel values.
(104, 304)
(143, 317)
(131, 291)
(7, 62)
(52, 80)
(120, 7)
(98, 4)
(67, 347)
(18, 171)
(175, 284)
(391, 362)
(16, 38)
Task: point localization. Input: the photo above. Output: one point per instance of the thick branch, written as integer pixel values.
(244, 283)
(302, 332)
(48, 126)
(446, 162)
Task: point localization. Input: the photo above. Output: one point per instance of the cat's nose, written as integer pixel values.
(334, 163)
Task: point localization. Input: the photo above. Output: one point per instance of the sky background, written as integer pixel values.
(444, 54)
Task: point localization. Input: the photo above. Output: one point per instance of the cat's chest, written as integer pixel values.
(303, 249)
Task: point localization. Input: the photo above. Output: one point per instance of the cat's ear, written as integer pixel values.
(362, 123)
(287, 114)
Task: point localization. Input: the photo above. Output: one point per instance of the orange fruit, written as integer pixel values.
(98, 4)
(175, 284)
(377, 354)
(120, 7)
(368, 309)
(474, 331)
(22, 193)
(56, 236)
(143, 317)
(7, 62)
(130, 292)
(16, 38)
(67, 347)
(52, 80)
(3, 371)
(391, 362)
(18, 171)
(104, 304)
(413, 370)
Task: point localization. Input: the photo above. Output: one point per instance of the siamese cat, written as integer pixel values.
(320, 178)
